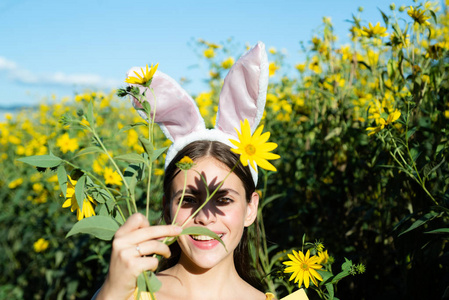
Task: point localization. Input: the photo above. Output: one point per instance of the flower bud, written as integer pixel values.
(121, 93)
(392, 6)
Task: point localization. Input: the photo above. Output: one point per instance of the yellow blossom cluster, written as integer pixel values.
(37, 131)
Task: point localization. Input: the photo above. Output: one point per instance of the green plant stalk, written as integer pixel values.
(128, 191)
(210, 196)
(97, 138)
(320, 293)
(151, 138)
(101, 184)
(147, 281)
(182, 198)
(417, 177)
(264, 258)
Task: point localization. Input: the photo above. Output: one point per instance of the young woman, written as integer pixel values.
(200, 267)
(197, 267)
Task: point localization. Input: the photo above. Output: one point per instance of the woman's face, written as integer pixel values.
(226, 214)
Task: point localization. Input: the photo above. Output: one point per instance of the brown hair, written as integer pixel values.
(222, 153)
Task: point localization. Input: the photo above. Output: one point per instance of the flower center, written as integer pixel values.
(304, 266)
(250, 149)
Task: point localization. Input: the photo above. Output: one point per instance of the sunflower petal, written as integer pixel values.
(264, 164)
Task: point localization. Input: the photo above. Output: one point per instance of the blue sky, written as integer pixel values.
(61, 47)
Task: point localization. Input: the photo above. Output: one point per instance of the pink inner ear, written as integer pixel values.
(239, 96)
(176, 111)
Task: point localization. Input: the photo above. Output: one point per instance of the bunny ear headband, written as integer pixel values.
(242, 97)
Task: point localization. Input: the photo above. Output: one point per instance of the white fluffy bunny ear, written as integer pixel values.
(176, 112)
(244, 91)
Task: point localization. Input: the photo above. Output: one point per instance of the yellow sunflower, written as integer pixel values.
(373, 31)
(303, 268)
(147, 76)
(186, 163)
(418, 15)
(87, 210)
(112, 177)
(254, 149)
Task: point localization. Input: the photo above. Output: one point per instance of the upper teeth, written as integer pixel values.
(204, 237)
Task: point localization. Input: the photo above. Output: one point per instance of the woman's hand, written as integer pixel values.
(132, 247)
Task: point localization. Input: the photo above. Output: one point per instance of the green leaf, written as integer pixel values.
(330, 289)
(414, 153)
(334, 133)
(148, 282)
(147, 107)
(439, 230)
(270, 199)
(421, 221)
(89, 150)
(365, 64)
(340, 276)
(425, 122)
(62, 179)
(42, 161)
(133, 174)
(79, 191)
(147, 146)
(157, 153)
(432, 167)
(401, 61)
(130, 126)
(385, 17)
(100, 195)
(101, 227)
(434, 16)
(141, 285)
(154, 283)
(411, 132)
(131, 158)
(346, 267)
(196, 230)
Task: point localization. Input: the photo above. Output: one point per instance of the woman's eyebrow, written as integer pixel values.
(228, 191)
(188, 191)
(197, 192)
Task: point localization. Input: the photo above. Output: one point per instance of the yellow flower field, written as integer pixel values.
(363, 134)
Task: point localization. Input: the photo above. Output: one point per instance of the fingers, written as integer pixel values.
(152, 247)
(150, 233)
(132, 248)
(137, 229)
(148, 264)
(134, 222)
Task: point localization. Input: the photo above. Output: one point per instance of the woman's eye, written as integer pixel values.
(188, 201)
(224, 201)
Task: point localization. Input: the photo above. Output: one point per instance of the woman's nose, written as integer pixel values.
(205, 216)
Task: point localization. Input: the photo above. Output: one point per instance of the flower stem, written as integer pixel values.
(128, 190)
(182, 198)
(417, 177)
(151, 139)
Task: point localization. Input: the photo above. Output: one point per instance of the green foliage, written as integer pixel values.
(378, 197)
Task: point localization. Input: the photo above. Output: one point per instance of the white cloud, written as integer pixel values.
(7, 64)
(23, 76)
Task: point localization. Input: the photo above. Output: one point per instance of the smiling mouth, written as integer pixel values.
(204, 237)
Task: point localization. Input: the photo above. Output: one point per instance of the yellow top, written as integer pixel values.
(298, 295)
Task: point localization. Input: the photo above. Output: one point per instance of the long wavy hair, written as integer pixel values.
(222, 153)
